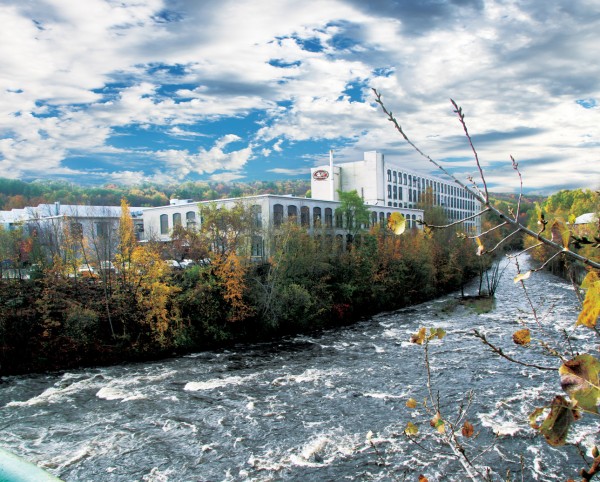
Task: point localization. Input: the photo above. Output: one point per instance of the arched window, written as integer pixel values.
(190, 219)
(328, 218)
(292, 212)
(373, 218)
(277, 215)
(164, 224)
(389, 175)
(317, 217)
(305, 216)
(176, 219)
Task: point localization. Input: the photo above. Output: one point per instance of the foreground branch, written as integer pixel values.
(483, 198)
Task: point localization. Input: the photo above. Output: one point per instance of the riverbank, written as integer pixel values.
(55, 322)
(330, 406)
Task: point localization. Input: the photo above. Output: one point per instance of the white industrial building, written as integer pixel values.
(384, 183)
(269, 212)
(384, 186)
(95, 226)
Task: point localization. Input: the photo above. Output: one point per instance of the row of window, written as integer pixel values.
(190, 219)
(321, 217)
(423, 184)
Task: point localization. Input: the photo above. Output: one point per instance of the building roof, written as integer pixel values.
(587, 218)
(59, 210)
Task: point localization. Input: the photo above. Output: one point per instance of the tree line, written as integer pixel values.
(138, 307)
(16, 194)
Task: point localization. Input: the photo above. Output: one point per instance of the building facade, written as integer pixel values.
(269, 212)
(93, 228)
(383, 183)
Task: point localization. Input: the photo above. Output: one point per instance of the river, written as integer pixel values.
(328, 407)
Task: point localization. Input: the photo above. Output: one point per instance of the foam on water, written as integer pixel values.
(218, 383)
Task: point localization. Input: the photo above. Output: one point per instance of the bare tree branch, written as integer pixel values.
(484, 199)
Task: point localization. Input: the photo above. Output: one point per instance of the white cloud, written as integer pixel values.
(290, 172)
(74, 75)
(182, 162)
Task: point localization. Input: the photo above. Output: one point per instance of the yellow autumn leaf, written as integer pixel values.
(397, 223)
(418, 337)
(411, 403)
(480, 247)
(522, 337)
(411, 429)
(591, 304)
(522, 276)
(422, 478)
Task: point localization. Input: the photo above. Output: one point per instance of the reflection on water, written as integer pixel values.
(301, 409)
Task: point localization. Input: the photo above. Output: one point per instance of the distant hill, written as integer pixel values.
(18, 194)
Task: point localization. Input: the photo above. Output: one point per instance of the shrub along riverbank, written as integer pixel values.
(148, 310)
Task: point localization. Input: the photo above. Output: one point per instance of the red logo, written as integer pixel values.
(320, 175)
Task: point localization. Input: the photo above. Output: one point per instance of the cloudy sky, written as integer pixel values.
(124, 91)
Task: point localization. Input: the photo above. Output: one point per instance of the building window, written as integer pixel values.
(164, 224)
(102, 229)
(395, 177)
(190, 219)
(256, 216)
(395, 192)
(389, 191)
(317, 217)
(305, 216)
(400, 193)
(382, 219)
(373, 218)
(405, 182)
(389, 175)
(328, 218)
(292, 212)
(277, 215)
(339, 220)
(176, 219)
(76, 230)
(257, 246)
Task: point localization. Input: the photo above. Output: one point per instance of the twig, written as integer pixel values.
(476, 193)
(500, 352)
(461, 116)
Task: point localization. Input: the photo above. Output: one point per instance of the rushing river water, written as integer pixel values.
(301, 409)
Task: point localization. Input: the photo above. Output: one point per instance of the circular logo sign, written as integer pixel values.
(320, 175)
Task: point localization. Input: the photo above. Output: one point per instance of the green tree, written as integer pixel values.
(353, 212)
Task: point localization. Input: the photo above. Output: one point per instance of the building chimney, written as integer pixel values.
(331, 176)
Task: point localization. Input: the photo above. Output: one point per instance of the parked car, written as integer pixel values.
(106, 266)
(87, 271)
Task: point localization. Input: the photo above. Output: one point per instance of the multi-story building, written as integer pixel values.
(384, 183)
(269, 212)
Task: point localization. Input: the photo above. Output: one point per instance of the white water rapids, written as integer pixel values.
(301, 409)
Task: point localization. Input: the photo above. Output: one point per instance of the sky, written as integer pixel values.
(168, 91)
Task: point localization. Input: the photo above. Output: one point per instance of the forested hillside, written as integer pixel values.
(18, 194)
